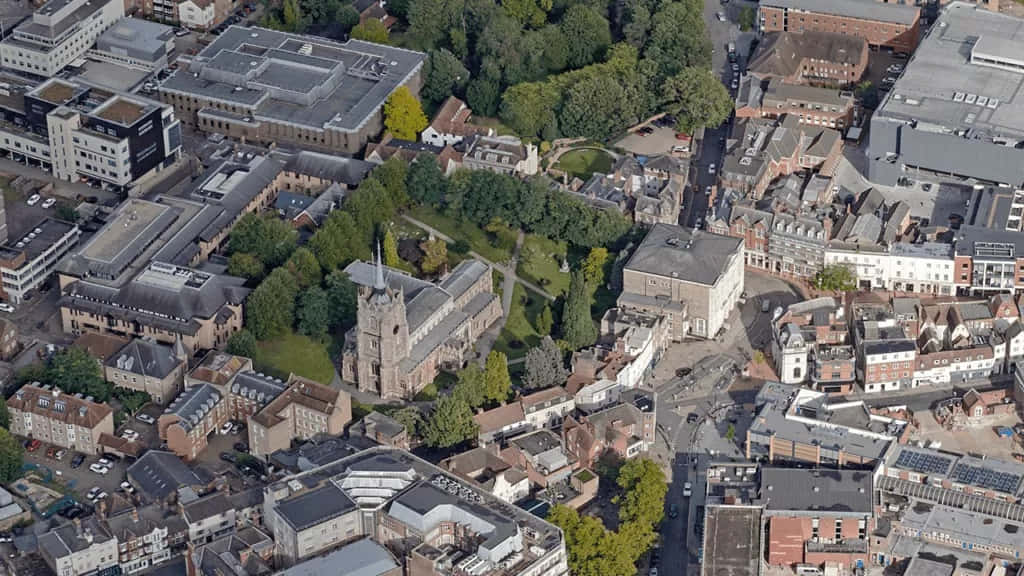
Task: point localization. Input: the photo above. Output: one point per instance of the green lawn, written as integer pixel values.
(540, 261)
(519, 335)
(492, 123)
(295, 353)
(479, 241)
(584, 162)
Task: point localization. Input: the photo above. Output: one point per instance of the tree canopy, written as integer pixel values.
(836, 277)
(270, 308)
(544, 366)
(403, 115)
(242, 343)
(578, 328)
(12, 455)
(697, 98)
(497, 383)
(372, 30)
(451, 423)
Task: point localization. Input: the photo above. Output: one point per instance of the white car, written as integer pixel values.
(711, 169)
(104, 462)
(34, 199)
(735, 67)
(49, 202)
(687, 490)
(145, 418)
(182, 32)
(707, 191)
(720, 16)
(91, 494)
(226, 428)
(99, 469)
(130, 435)
(127, 487)
(5, 307)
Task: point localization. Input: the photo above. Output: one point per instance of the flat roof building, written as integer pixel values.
(135, 43)
(27, 262)
(268, 86)
(58, 34)
(958, 107)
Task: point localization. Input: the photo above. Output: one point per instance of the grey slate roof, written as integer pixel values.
(862, 9)
(206, 507)
(781, 53)
(361, 558)
(257, 387)
(146, 358)
(158, 474)
(314, 507)
(803, 489)
(690, 255)
(463, 276)
(67, 539)
(348, 171)
(193, 404)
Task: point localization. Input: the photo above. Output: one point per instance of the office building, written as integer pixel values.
(136, 44)
(58, 33)
(266, 86)
(302, 411)
(27, 262)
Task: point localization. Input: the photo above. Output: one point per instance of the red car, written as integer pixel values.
(34, 445)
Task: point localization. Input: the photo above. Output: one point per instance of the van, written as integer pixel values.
(807, 570)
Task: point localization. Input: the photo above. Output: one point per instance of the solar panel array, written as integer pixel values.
(923, 463)
(986, 478)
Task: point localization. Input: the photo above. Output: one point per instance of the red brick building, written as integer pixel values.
(882, 25)
(814, 517)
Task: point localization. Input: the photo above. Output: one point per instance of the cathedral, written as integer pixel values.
(408, 329)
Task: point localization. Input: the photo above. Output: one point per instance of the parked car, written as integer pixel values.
(49, 202)
(707, 191)
(687, 490)
(228, 457)
(673, 511)
(5, 307)
(34, 199)
(182, 32)
(130, 434)
(127, 487)
(241, 447)
(77, 460)
(692, 418)
(683, 372)
(99, 469)
(145, 418)
(226, 428)
(59, 455)
(711, 168)
(91, 494)
(766, 305)
(105, 462)
(720, 16)
(34, 445)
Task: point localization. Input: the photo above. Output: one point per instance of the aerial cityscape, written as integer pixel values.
(512, 287)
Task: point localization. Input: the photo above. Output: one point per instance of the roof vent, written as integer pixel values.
(817, 489)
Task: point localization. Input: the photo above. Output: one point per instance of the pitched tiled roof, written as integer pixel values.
(59, 406)
(308, 393)
(497, 418)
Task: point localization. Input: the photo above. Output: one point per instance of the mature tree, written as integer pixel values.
(644, 489)
(371, 30)
(403, 115)
(577, 326)
(593, 108)
(586, 33)
(451, 423)
(471, 386)
(342, 298)
(268, 238)
(131, 400)
(527, 108)
(370, 205)
(5, 418)
(748, 17)
(242, 343)
(593, 266)
(338, 241)
(270, 308)
(399, 8)
(636, 23)
(431, 21)
(531, 13)
(304, 267)
(347, 17)
(245, 265)
(497, 383)
(292, 19)
(697, 98)
(544, 321)
(12, 455)
(544, 366)
(313, 312)
(593, 550)
(483, 94)
(836, 278)
(74, 371)
(391, 258)
(425, 182)
(445, 76)
(411, 418)
(392, 175)
(435, 256)
(678, 38)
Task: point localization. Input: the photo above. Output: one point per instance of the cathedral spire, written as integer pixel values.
(378, 282)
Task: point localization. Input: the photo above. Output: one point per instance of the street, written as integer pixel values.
(712, 147)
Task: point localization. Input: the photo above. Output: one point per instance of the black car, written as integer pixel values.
(77, 460)
(71, 512)
(241, 447)
(228, 457)
(683, 372)
(692, 418)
